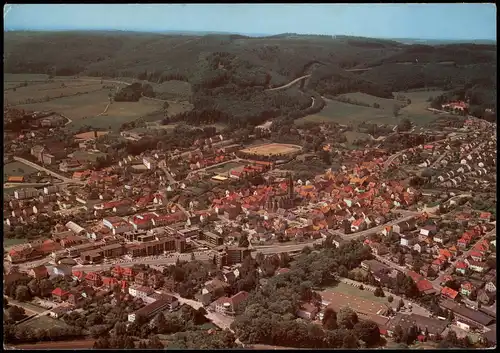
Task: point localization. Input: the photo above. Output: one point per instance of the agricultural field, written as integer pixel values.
(345, 113)
(49, 90)
(90, 108)
(384, 103)
(272, 149)
(417, 111)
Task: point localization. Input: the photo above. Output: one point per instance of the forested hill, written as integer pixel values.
(229, 72)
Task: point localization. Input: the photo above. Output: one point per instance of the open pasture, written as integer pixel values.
(272, 149)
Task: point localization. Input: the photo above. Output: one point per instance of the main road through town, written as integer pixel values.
(265, 249)
(54, 174)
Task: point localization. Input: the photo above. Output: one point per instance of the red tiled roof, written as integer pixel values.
(59, 292)
(415, 276)
(448, 292)
(461, 265)
(424, 285)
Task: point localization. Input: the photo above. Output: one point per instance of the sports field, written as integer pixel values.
(272, 149)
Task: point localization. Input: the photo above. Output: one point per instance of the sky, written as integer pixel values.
(418, 21)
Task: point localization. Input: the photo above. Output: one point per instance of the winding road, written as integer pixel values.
(289, 84)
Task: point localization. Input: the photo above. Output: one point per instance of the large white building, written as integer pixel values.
(167, 302)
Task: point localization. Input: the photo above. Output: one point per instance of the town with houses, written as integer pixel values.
(127, 232)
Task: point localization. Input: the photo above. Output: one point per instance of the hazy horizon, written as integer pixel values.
(390, 21)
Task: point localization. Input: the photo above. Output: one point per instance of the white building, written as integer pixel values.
(150, 163)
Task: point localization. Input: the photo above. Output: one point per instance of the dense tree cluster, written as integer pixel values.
(229, 73)
(270, 311)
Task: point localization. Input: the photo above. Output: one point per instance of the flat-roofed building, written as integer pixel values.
(213, 239)
(167, 302)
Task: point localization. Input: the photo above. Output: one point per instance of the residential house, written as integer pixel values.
(461, 267)
(140, 291)
(404, 226)
(439, 238)
(466, 289)
(428, 230)
(59, 295)
(39, 272)
(449, 293)
(93, 279)
(307, 311)
(491, 286)
(420, 247)
(212, 290)
(408, 240)
(476, 256)
(60, 311)
(230, 306)
(486, 298)
(477, 266)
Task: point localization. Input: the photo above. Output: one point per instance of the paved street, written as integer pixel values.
(54, 174)
(462, 257)
(224, 322)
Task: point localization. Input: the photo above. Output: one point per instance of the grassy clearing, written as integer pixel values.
(384, 103)
(173, 90)
(345, 113)
(13, 242)
(351, 136)
(51, 90)
(224, 168)
(17, 169)
(350, 290)
(417, 111)
(43, 322)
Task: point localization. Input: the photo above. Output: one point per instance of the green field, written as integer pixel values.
(13, 241)
(351, 136)
(88, 108)
(43, 322)
(350, 290)
(417, 111)
(90, 156)
(345, 113)
(384, 103)
(224, 168)
(17, 169)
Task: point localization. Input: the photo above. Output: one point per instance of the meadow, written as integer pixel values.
(346, 113)
(90, 108)
(17, 169)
